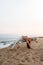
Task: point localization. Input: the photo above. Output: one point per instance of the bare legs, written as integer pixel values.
(28, 40)
(28, 44)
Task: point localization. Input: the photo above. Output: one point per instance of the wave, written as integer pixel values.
(7, 43)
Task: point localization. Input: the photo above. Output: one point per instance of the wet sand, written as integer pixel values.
(21, 55)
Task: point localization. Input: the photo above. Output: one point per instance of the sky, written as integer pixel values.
(21, 17)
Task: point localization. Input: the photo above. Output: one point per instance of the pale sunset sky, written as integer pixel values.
(21, 17)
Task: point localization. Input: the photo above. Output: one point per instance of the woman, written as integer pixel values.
(28, 40)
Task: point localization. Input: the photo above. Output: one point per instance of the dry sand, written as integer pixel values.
(21, 55)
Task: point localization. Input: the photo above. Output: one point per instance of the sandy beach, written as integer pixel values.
(21, 55)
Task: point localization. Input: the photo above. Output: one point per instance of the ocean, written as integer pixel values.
(7, 40)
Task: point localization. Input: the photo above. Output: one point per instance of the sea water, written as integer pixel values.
(6, 40)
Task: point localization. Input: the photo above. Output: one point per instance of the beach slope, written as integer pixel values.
(21, 55)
